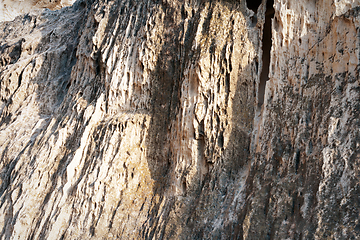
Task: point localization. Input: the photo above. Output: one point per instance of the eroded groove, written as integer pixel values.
(266, 49)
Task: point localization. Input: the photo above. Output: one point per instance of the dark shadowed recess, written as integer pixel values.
(266, 44)
(266, 49)
(253, 4)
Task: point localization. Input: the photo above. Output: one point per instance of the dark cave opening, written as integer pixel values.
(266, 49)
(253, 4)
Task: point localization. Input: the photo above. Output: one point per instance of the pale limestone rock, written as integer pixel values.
(128, 119)
(9, 9)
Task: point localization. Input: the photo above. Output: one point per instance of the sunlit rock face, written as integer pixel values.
(9, 9)
(126, 119)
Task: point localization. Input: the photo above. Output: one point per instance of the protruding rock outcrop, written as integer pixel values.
(126, 119)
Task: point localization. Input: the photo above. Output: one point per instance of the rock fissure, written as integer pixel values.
(253, 5)
(266, 50)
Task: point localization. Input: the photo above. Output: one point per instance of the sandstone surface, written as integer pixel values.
(153, 119)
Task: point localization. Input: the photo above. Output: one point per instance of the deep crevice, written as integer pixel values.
(253, 4)
(266, 49)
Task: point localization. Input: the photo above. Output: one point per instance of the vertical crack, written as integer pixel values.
(266, 48)
(258, 6)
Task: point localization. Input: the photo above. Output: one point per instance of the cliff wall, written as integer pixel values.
(126, 119)
(9, 9)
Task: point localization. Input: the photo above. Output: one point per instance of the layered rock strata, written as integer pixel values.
(126, 119)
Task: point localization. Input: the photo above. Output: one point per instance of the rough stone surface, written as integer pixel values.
(9, 9)
(126, 119)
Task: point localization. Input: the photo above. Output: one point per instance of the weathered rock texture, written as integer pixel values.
(145, 120)
(9, 9)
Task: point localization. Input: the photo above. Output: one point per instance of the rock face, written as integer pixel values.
(9, 9)
(154, 120)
